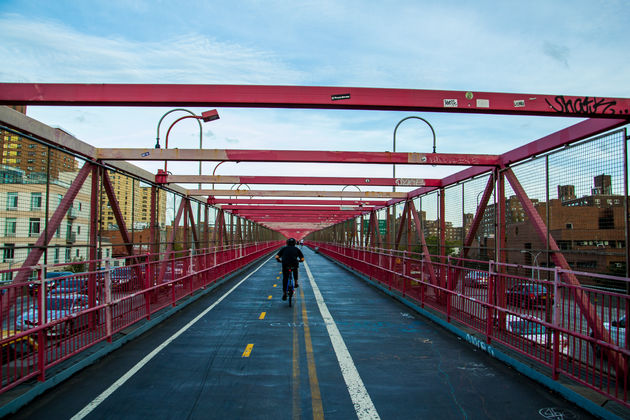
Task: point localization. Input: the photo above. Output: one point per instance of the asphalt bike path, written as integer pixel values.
(344, 350)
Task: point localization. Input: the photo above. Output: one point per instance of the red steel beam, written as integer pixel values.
(236, 201)
(327, 97)
(298, 208)
(301, 180)
(313, 156)
(299, 193)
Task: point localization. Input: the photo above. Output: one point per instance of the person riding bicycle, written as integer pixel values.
(290, 256)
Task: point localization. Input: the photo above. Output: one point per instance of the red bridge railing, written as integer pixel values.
(537, 316)
(83, 309)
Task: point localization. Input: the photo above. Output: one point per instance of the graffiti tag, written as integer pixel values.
(585, 105)
(479, 344)
(416, 182)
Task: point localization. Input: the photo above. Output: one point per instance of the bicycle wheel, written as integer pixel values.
(290, 296)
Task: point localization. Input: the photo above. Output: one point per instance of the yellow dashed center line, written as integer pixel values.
(275, 285)
(248, 350)
(262, 315)
(316, 399)
(269, 297)
(296, 370)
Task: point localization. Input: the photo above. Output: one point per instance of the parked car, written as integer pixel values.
(71, 283)
(17, 348)
(617, 330)
(58, 306)
(50, 283)
(530, 328)
(476, 279)
(528, 295)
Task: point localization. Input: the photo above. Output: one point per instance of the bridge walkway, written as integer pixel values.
(344, 350)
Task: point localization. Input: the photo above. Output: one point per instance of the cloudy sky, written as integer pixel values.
(577, 47)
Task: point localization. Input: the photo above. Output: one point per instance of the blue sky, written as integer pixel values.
(544, 47)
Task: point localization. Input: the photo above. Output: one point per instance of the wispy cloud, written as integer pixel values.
(559, 53)
(45, 51)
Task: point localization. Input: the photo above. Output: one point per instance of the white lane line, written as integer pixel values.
(109, 391)
(360, 398)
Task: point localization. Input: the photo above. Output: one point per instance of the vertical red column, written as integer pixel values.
(94, 227)
(442, 245)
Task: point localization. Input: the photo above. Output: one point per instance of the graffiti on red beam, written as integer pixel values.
(411, 182)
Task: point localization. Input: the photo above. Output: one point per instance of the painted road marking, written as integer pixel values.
(248, 350)
(297, 409)
(262, 315)
(109, 391)
(360, 398)
(316, 398)
(269, 297)
(275, 285)
(278, 278)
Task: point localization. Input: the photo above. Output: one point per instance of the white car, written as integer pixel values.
(58, 306)
(617, 330)
(532, 329)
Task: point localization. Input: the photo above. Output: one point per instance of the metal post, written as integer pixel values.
(556, 325)
(108, 300)
(41, 320)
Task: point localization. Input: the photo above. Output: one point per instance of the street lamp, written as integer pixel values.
(394, 141)
(524, 251)
(219, 164)
(355, 186)
(206, 116)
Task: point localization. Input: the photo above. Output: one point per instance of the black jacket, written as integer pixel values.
(290, 255)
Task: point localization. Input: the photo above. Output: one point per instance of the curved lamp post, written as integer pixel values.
(219, 164)
(525, 251)
(205, 117)
(355, 186)
(396, 128)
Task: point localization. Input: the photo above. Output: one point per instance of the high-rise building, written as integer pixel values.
(566, 192)
(602, 185)
(32, 157)
(134, 200)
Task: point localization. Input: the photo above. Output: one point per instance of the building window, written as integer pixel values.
(12, 201)
(34, 226)
(569, 225)
(78, 230)
(36, 201)
(7, 277)
(8, 252)
(56, 260)
(77, 253)
(10, 226)
(68, 255)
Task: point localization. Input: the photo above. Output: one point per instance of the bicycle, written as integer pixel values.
(290, 284)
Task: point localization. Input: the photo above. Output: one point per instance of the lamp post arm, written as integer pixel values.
(417, 118)
(197, 117)
(157, 138)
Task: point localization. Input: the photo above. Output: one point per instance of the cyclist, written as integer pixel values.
(290, 256)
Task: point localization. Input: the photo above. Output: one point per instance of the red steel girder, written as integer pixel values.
(327, 97)
(314, 156)
(248, 201)
(301, 180)
(299, 209)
